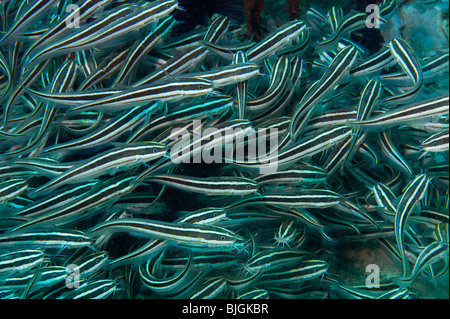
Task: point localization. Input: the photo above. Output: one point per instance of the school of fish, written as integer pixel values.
(93, 204)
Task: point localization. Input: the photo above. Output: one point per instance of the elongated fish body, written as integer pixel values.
(106, 163)
(182, 233)
(158, 149)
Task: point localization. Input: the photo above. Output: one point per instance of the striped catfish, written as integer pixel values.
(208, 185)
(201, 259)
(140, 48)
(432, 69)
(301, 44)
(52, 202)
(409, 62)
(82, 123)
(406, 114)
(431, 254)
(6, 78)
(366, 104)
(85, 10)
(304, 270)
(114, 30)
(26, 80)
(108, 132)
(176, 65)
(388, 9)
(185, 41)
(307, 198)
(227, 51)
(299, 174)
(43, 165)
(374, 64)
(239, 284)
(229, 75)
(193, 110)
(26, 19)
(75, 207)
(242, 86)
(280, 79)
(56, 239)
(72, 99)
(275, 41)
(63, 80)
(164, 90)
(208, 216)
(81, 35)
(334, 16)
(329, 119)
(12, 188)
(111, 161)
(90, 264)
(184, 234)
(349, 23)
(303, 149)
(273, 258)
(385, 199)
(412, 194)
(216, 136)
(338, 155)
(219, 26)
(436, 143)
(105, 69)
(41, 277)
(165, 285)
(20, 260)
(392, 154)
(336, 71)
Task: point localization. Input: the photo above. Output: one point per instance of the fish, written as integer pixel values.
(414, 191)
(108, 162)
(191, 235)
(159, 150)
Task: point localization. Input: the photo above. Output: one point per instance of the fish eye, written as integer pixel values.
(200, 86)
(222, 237)
(435, 144)
(248, 186)
(97, 260)
(80, 239)
(155, 150)
(31, 260)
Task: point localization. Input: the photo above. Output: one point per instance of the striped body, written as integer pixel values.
(108, 162)
(414, 192)
(181, 233)
(209, 185)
